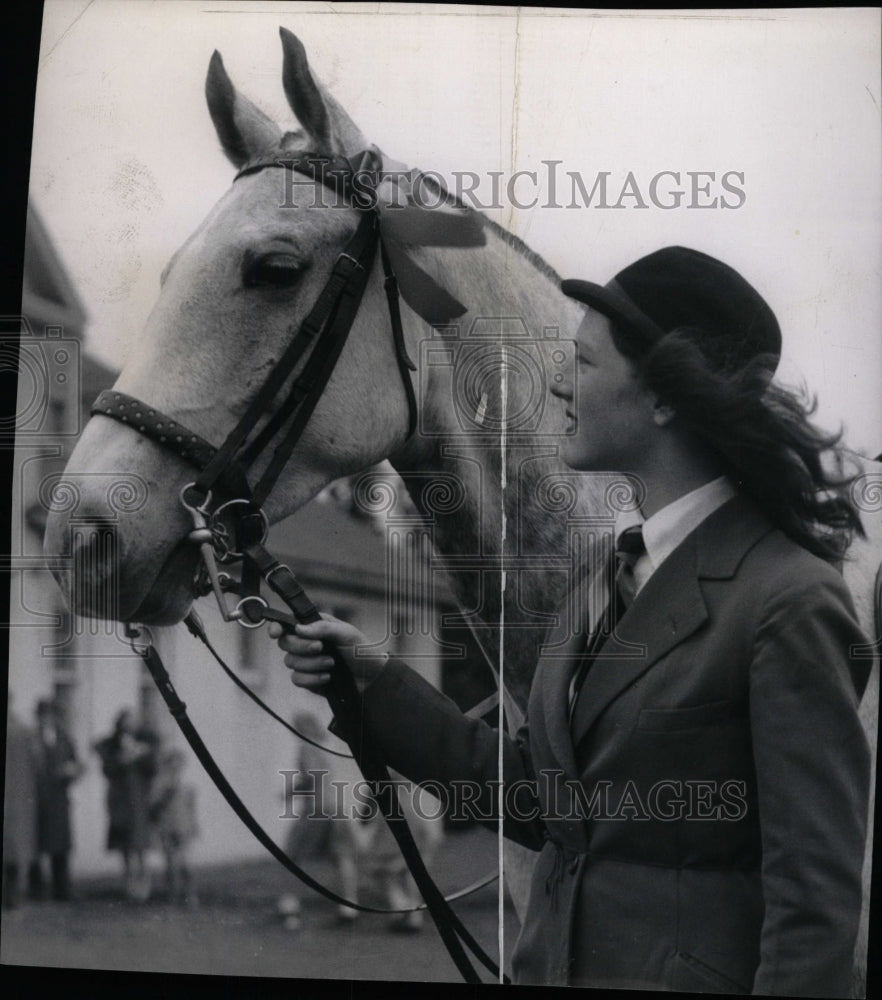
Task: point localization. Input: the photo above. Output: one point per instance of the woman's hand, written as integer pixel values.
(308, 652)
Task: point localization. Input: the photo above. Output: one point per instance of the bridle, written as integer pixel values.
(222, 470)
(236, 529)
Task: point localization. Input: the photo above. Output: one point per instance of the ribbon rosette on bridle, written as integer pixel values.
(407, 219)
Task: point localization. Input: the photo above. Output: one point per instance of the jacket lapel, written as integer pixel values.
(669, 608)
(665, 612)
(550, 691)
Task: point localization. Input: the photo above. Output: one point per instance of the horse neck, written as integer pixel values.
(507, 288)
(498, 515)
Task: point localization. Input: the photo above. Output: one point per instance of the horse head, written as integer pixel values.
(232, 298)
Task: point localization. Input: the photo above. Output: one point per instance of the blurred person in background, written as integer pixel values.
(57, 767)
(309, 836)
(128, 759)
(173, 815)
(19, 806)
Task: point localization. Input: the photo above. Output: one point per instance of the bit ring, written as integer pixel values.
(239, 617)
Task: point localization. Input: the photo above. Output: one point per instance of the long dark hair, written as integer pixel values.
(761, 434)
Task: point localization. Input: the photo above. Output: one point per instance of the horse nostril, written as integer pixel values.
(91, 535)
(95, 550)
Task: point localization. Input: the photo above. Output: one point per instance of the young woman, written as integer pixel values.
(696, 784)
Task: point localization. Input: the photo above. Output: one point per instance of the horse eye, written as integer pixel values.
(278, 270)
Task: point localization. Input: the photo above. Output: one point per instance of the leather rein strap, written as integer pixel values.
(223, 469)
(344, 699)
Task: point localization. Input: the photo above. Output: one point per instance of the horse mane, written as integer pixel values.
(515, 242)
(519, 247)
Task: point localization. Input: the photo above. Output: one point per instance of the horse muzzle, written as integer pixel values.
(115, 541)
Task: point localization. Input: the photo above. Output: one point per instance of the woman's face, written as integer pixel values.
(609, 407)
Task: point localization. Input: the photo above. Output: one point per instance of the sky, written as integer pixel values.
(783, 104)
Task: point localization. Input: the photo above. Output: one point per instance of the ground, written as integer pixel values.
(236, 931)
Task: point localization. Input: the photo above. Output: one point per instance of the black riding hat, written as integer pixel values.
(676, 288)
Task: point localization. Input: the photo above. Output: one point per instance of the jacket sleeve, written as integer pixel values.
(813, 777)
(423, 734)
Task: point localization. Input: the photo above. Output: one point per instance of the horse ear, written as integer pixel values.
(243, 129)
(316, 110)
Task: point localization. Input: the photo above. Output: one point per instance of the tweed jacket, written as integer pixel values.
(701, 821)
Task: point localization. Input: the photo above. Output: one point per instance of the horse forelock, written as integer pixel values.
(292, 139)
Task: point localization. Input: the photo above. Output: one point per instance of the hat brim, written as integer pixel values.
(611, 301)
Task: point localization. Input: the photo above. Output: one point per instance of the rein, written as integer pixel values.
(222, 471)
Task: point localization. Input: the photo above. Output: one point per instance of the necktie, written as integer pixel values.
(629, 548)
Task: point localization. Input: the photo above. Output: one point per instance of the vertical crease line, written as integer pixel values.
(503, 445)
(396, 582)
(428, 599)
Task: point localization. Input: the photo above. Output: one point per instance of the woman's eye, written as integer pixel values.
(278, 270)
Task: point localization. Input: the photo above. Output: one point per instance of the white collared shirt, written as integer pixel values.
(664, 531)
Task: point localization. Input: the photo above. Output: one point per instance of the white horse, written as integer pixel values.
(216, 332)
